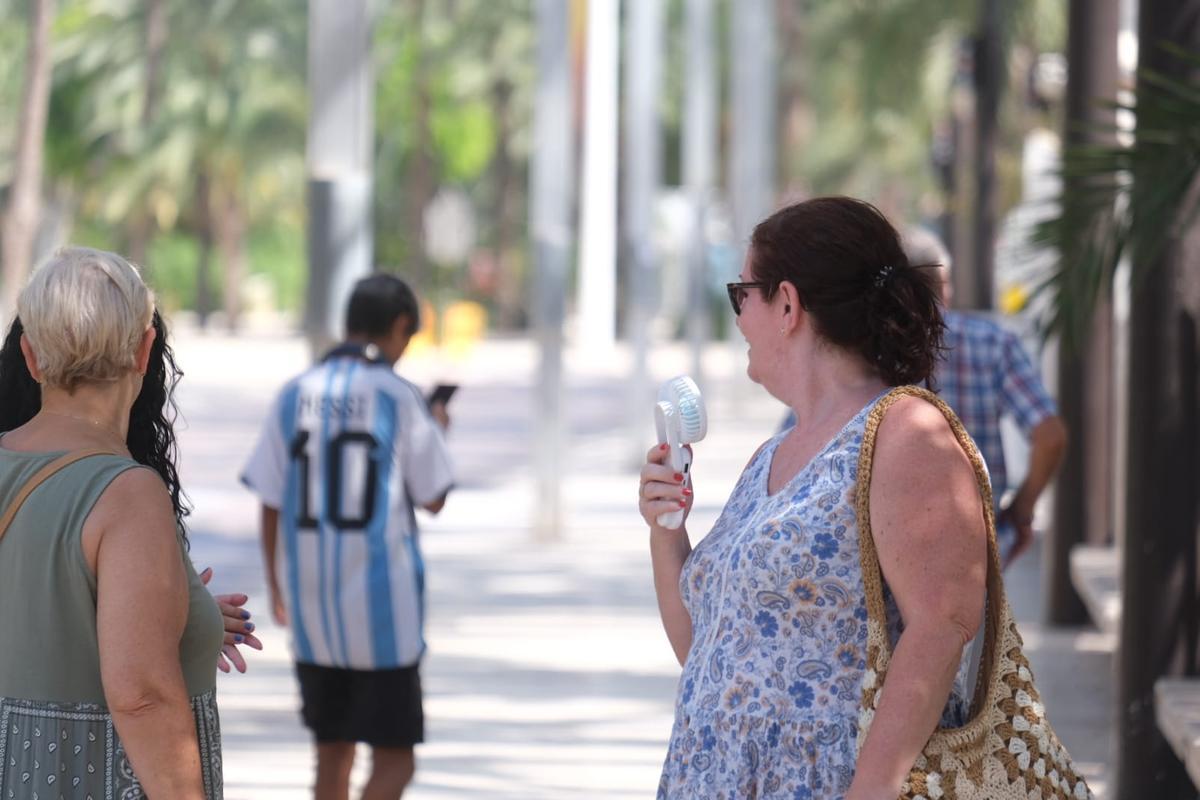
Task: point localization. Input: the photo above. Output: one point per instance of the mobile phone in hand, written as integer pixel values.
(442, 393)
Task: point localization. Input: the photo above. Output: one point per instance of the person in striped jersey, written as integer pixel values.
(348, 452)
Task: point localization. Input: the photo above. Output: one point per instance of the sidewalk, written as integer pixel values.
(548, 674)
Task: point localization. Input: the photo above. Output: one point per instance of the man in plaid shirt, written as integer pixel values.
(986, 375)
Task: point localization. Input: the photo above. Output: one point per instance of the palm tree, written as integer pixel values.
(1085, 372)
(203, 129)
(22, 213)
(155, 27)
(454, 102)
(879, 75)
(1141, 200)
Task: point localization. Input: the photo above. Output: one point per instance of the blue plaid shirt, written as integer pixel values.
(987, 375)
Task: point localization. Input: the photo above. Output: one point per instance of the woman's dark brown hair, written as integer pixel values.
(848, 266)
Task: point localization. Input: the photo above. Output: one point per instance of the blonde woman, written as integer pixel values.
(108, 639)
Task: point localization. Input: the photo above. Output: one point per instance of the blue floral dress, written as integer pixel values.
(768, 699)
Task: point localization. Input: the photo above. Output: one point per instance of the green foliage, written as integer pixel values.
(172, 264)
(464, 136)
(884, 48)
(879, 78)
(444, 71)
(173, 258)
(90, 233)
(68, 150)
(278, 251)
(454, 95)
(12, 70)
(1125, 199)
(231, 107)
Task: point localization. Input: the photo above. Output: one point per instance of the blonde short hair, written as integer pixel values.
(85, 312)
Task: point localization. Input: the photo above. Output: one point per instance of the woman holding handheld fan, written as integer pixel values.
(825, 624)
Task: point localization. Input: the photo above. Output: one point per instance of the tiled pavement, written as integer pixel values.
(548, 675)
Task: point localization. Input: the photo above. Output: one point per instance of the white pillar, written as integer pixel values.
(642, 171)
(340, 162)
(699, 168)
(596, 297)
(752, 141)
(551, 173)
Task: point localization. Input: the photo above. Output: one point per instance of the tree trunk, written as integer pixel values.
(988, 84)
(1084, 366)
(25, 193)
(204, 239)
(421, 178)
(796, 119)
(961, 178)
(229, 227)
(509, 285)
(141, 224)
(1159, 554)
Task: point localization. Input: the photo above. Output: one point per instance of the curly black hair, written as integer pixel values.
(151, 438)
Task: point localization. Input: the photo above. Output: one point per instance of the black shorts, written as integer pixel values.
(379, 707)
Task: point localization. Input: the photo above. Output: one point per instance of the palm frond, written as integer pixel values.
(1123, 200)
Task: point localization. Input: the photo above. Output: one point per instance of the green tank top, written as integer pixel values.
(54, 725)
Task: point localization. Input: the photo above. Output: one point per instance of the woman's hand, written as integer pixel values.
(238, 627)
(661, 489)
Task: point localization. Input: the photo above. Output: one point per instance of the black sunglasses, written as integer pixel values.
(737, 293)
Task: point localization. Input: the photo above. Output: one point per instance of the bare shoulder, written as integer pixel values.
(920, 467)
(138, 496)
(915, 435)
(927, 518)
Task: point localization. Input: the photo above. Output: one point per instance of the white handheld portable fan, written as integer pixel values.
(681, 419)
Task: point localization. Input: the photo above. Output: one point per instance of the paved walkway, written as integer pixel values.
(548, 674)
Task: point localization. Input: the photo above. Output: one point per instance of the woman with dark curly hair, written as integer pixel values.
(769, 613)
(109, 641)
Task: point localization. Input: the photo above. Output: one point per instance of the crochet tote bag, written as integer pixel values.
(1007, 749)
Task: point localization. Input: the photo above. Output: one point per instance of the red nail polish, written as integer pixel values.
(678, 476)
(683, 503)
(687, 492)
(663, 446)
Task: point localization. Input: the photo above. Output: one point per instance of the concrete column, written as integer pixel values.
(340, 165)
(596, 287)
(699, 167)
(551, 174)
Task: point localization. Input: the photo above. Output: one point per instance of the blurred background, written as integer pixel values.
(176, 132)
(568, 184)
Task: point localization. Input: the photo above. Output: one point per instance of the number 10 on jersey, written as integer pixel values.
(335, 491)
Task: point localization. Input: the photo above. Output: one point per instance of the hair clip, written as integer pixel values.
(882, 275)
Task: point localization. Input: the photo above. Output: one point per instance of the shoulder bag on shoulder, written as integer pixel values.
(40, 477)
(1007, 749)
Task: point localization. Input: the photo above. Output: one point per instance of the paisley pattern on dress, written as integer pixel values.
(767, 705)
(71, 750)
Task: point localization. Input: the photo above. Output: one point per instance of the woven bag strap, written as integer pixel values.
(40, 477)
(869, 557)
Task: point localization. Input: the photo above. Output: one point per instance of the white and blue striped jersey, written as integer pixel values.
(348, 449)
